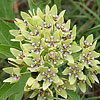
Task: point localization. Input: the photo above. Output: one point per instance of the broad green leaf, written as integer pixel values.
(5, 50)
(73, 95)
(9, 89)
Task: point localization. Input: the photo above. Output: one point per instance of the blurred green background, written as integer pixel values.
(84, 13)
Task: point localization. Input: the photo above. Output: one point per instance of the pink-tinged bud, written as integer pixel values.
(69, 46)
(64, 30)
(16, 77)
(56, 16)
(34, 59)
(33, 44)
(61, 50)
(92, 58)
(40, 90)
(92, 74)
(51, 37)
(29, 38)
(90, 44)
(39, 95)
(48, 60)
(63, 24)
(57, 86)
(79, 70)
(31, 33)
(49, 70)
(69, 36)
(89, 53)
(49, 26)
(53, 74)
(55, 45)
(59, 90)
(58, 26)
(70, 52)
(89, 62)
(21, 52)
(65, 55)
(83, 55)
(37, 68)
(45, 23)
(41, 48)
(65, 88)
(83, 46)
(41, 64)
(43, 73)
(70, 74)
(85, 42)
(76, 75)
(17, 57)
(44, 79)
(83, 81)
(55, 62)
(32, 65)
(51, 80)
(76, 66)
(41, 28)
(70, 67)
(38, 52)
(26, 24)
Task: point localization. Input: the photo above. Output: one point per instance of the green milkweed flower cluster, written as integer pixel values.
(50, 53)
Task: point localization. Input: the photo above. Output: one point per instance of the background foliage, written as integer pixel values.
(84, 13)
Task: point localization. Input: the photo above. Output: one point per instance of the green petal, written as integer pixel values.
(28, 61)
(67, 42)
(49, 20)
(56, 79)
(88, 82)
(66, 71)
(95, 78)
(60, 20)
(14, 51)
(25, 34)
(40, 13)
(82, 87)
(62, 13)
(72, 79)
(34, 94)
(35, 39)
(56, 35)
(91, 78)
(47, 9)
(63, 93)
(40, 77)
(53, 10)
(81, 76)
(8, 70)
(75, 48)
(40, 98)
(27, 46)
(20, 24)
(46, 84)
(74, 32)
(67, 25)
(89, 39)
(35, 85)
(53, 70)
(69, 58)
(14, 32)
(82, 42)
(94, 54)
(30, 81)
(24, 15)
(16, 71)
(43, 69)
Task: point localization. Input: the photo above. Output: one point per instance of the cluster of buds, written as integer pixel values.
(47, 43)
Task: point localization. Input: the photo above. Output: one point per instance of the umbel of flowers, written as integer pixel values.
(50, 53)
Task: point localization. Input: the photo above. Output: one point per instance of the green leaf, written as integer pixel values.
(9, 89)
(73, 95)
(5, 50)
(32, 5)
